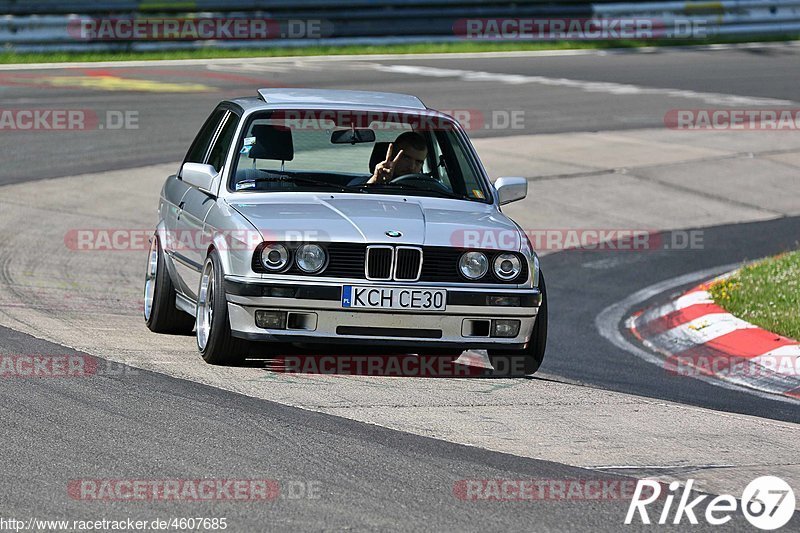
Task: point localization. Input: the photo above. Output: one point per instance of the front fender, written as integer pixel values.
(234, 238)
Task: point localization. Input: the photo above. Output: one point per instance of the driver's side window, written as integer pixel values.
(218, 153)
(199, 149)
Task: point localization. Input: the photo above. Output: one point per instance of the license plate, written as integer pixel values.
(355, 296)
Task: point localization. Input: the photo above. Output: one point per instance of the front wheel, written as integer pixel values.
(160, 313)
(530, 359)
(215, 342)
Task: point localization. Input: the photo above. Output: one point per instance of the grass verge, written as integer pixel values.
(766, 294)
(209, 52)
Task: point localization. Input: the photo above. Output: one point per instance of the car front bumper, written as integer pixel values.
(324, 320)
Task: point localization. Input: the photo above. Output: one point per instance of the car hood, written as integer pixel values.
(361, 219)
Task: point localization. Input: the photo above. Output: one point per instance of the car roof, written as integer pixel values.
(331, 99)
(339, 97)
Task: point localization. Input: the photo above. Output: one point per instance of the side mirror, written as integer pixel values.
(199, 175)
(511, 189)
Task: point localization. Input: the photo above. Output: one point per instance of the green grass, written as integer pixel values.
(421, 48)
(766, 293)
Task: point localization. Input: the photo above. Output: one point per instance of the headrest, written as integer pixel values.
(378, 154)
(272, 142)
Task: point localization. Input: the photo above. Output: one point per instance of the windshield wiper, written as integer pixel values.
(240, 185)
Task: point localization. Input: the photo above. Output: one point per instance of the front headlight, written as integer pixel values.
(473, 265)
(274, 257)
(507, 266)
(310, 258)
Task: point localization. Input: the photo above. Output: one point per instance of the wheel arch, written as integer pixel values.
(161, 232)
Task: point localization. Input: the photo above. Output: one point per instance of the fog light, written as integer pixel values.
(505, 328)
(271, 319)
(507, 301)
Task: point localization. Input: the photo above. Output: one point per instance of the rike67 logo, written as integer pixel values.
(768, 503)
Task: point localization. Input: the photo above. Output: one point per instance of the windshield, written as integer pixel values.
(361, 152)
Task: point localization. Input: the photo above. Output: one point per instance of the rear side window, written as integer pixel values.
(220, 149)
(197, 153)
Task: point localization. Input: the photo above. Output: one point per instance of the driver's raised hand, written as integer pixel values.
(384, 171)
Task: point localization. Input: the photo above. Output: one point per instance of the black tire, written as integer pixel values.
(219, 347)
(160, 313)
(508, 361)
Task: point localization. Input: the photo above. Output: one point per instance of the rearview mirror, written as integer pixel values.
(511, 189)
(353, 136)
(199, 175)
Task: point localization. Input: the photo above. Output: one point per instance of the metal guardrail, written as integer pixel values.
(90, 7)
(49, 25)
(723, 18)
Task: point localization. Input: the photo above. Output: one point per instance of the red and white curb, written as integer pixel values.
(700, 339)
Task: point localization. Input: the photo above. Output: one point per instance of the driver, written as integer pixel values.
(412, 151)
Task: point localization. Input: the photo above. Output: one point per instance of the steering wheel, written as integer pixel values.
(423, 181)
(412, 176)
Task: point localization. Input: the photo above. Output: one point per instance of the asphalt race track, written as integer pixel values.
(372, 452)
